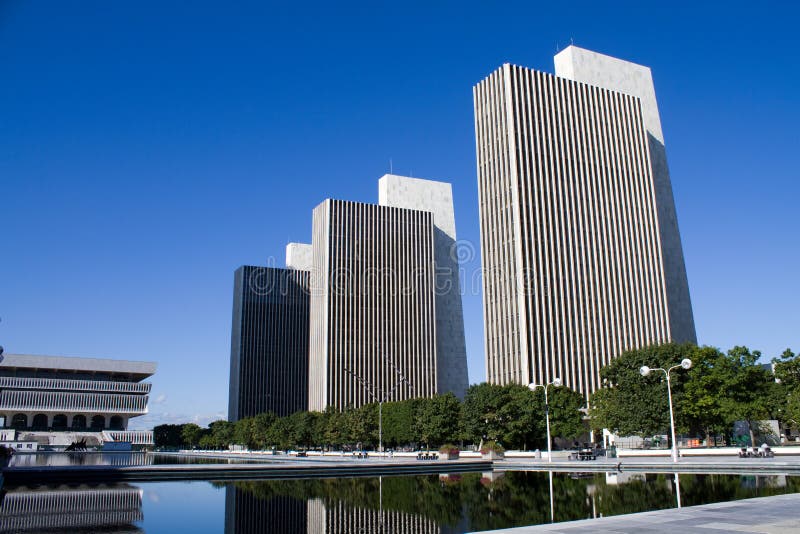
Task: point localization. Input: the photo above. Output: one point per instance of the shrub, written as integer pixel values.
(491, 446)
(448, 448)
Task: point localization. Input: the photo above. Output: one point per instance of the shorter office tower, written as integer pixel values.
(56, 400)
(269, 342)
(371, 310)
(386, 315)
(372, 305)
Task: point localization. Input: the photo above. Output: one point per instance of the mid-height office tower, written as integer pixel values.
(581, 252)
(385, 299)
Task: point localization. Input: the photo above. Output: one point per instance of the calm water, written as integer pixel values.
(408, 504)
(119, 459)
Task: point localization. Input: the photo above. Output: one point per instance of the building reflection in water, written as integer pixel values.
(466, 502)
(71, 508)
(247, 513)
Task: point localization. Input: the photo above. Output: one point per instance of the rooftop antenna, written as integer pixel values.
(391, 168)
(571, 41)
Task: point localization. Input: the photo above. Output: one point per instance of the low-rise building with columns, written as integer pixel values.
(48, 396)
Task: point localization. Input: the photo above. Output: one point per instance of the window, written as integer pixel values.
(79, 422)
(98, 422)
(60, 422)
(19, 420)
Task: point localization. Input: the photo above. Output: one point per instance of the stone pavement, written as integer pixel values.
(770, 515)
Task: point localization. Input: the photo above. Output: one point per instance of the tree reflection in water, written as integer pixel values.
(475, 501)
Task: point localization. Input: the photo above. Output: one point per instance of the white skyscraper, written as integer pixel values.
(580, 245)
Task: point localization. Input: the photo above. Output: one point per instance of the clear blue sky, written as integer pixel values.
(148, 149)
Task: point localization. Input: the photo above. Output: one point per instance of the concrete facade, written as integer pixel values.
(571, 227)
(299, 256)
(608, 72)
(57, 393)
(437, 198)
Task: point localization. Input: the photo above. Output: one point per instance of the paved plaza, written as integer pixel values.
(769, 515)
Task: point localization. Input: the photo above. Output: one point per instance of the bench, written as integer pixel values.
(427, 456)
(756, 452)
(583, 456)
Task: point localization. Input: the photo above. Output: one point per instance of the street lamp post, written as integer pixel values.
(556, 382)
(373, 391)
(686, 363)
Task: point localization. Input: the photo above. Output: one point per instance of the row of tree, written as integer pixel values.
(719, 390)
(512, 415)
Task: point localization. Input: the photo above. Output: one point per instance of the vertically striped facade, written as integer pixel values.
(339, 517)
(372, 303)
(437, 198)
(269, 342)
(570, 240)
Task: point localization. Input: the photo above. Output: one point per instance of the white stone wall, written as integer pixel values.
(569, 229)
(618, 75)
(299, 256)
(437, 197)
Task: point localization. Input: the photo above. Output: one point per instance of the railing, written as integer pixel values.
(136, 437)
(47, 401)
(66, 384)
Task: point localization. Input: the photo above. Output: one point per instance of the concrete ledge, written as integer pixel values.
(761, 514)
(734, 466)
(282, 470)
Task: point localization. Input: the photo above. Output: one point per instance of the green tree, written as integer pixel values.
(281, 434)
(361, 424)
(243, 432)
(221, 434)
(481, 413)
(334, 430)
(521, 414)
(787, 371)
(438, 419)
(168, 436)
(750, 392)
(637, 405)
(703, 408)
(303, 425)
(260, 428)
(192, 434)
(566, 417)
(399, 423)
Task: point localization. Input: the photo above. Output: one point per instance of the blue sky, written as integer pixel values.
(148, 149)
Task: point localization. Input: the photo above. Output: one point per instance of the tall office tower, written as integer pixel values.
(372, 304)
(581, 251)
(269, 342)
(437, 197)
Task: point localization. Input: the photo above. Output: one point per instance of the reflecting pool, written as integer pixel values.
(405, 504)
(122, 459)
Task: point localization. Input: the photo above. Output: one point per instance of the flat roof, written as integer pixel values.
(70, 363)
